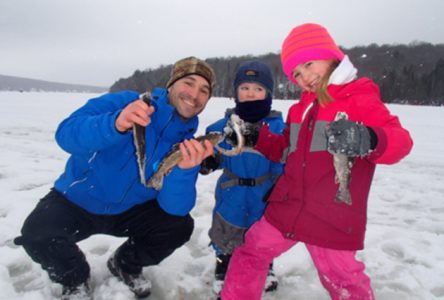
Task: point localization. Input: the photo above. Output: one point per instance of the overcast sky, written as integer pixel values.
(96, 42)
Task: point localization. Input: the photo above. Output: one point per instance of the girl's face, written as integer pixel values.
(309, 74)
(250, 91)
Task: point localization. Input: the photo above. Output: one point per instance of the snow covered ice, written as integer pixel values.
(405, 230)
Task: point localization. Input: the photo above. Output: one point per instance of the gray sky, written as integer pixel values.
(96, 42)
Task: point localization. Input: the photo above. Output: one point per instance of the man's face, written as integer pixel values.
(189, 95)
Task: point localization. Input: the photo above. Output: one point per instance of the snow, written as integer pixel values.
(405, 231)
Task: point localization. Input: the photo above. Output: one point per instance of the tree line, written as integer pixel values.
(408, 74)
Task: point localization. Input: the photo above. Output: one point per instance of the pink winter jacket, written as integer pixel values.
(302, 204)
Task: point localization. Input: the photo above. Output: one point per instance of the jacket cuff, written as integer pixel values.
(262, 140)
(380, 139)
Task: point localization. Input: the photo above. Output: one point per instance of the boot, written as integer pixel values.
(271, 283)
(222, 261)
(79, 292)
(138, 284)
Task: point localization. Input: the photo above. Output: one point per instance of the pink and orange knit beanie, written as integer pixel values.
(307, 42)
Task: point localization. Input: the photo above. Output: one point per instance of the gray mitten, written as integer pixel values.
(350, 138)
(250, 132)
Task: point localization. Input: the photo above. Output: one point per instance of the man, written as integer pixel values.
(100, 190)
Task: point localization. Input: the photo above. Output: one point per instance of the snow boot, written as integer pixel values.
(79, 292)
(137, 283)
(222, 261)
(271, 283)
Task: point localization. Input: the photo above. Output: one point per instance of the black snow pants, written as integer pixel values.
(51, 231)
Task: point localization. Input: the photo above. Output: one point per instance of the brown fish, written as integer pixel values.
(343, 165)
(175, 156)
(139, 139)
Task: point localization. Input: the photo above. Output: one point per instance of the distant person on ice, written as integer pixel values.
(317, 201)
(100, 190)
(246, 178)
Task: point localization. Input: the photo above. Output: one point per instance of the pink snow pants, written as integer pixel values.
(340, 273)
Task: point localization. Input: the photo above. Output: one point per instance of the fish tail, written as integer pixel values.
(343, 195)
(156, 182)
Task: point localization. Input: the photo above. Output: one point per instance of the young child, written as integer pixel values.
(304, 206)
(247, 177)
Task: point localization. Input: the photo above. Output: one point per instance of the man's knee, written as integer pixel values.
(186, 227)
(155, 247)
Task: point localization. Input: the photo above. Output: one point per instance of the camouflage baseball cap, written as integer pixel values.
(189, 66)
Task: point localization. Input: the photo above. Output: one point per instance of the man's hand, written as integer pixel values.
(193, 153)
(137, 112)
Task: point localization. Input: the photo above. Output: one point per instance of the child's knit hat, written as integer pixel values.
(254, 71)
(307, 42)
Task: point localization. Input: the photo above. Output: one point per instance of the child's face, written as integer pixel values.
(250, 91)
(309, 74)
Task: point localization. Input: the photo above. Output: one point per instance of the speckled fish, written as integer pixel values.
(343, 165)
(139, 140)
(175, 156)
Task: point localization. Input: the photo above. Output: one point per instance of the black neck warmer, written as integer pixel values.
(253, 111)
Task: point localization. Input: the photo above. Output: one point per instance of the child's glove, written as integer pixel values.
(250, 132)
(350, 138)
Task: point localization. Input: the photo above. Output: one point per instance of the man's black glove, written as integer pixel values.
(350, 138)
(209, 164)
(250, 132)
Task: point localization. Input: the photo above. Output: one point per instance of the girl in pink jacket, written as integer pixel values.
(334, 137)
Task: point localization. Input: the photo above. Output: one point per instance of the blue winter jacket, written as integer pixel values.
(240, 205)
(101, 174)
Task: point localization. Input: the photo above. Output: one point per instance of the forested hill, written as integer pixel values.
(411, 74)
(13, 83)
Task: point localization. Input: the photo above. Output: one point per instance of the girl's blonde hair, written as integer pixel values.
(321, 90)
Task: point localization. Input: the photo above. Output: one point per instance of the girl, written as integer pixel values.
(246, 178)
(303, 206)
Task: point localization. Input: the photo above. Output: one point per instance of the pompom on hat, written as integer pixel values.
(192, 66)
(307, 42)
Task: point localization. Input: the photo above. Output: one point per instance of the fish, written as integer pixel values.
(343, 165)
(174, 156)
(139, 139)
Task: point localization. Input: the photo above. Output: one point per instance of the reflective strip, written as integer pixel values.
(294, 133)
(285, 155)
(319, 140)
